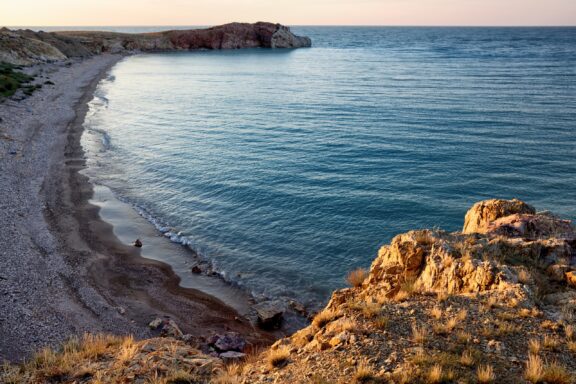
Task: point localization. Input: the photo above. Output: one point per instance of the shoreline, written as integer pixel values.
(98, 284)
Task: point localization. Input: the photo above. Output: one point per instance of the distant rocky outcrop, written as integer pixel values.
(24, 47)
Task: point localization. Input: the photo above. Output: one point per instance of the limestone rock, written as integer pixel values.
(484, 212)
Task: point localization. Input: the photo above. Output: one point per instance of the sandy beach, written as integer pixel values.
(62, 271)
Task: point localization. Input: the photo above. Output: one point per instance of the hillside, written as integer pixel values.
(26, 47)
(495, 303)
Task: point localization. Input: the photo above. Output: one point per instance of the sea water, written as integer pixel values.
(286, 169)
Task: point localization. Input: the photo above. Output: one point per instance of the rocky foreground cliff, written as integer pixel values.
(494, 303)
(25, 47)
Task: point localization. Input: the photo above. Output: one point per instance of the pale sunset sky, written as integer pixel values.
(291, 12)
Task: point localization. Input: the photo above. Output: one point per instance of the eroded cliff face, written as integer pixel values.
(25, 47)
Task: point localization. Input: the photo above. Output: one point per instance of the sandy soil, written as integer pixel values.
(62, 271)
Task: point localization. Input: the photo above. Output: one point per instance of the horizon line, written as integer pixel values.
(310, 25)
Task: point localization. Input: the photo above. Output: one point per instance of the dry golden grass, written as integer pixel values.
(467, 358)
(551, 325)
(348, 324)
(371, 310)
(534, 346)
(229, 376)
(534, 372)
(356, 277)
(419, 334)
(381, 322)
(550, 342)
(569, 332)
(445, 328)
(363, 373)
(401, 296)
(279, 357)
(461, 315)
(571, 346)
(491, 303)
(463, 337)
(436, 313)
(485, 374)
(436, 374)
(557, 374)
(442, 296)
(182, 376)
(324, 317)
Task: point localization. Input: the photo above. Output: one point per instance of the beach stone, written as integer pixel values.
(270, 314)
(196, 269)
(138, 243)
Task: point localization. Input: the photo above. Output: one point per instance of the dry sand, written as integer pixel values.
(62, 271)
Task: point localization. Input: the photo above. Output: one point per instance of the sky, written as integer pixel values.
(289, 12)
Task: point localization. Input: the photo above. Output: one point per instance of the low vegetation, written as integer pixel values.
(12, 79)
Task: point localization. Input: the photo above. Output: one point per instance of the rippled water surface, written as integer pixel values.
(289, 168)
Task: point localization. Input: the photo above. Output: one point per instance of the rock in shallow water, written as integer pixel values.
(270, 314)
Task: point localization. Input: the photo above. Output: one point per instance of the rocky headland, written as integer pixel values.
(494, 303)
(26, 47)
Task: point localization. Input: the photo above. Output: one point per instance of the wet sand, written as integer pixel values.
(63, 270)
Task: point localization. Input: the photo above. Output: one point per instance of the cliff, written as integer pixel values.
(495, 303)
(25, 47)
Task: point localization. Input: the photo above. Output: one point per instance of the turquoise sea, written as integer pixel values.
(285, 169)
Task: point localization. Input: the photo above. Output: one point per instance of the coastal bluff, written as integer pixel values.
(27, 47)
(494, 303)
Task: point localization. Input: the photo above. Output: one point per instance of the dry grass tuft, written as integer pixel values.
(445, 328)
(371, 310)
(551, 342)
(324, 317)
(356, 277)
(571, 346)
(467, 358)
(557, 374)
(549, 324)
(463, 337)
(485, 374)
(569, 332)
(381, 322)
(442, 296)
(419, 334)
(436, 313)
(534, 346)
(279, 357)
(436, 374)
(364, 373)
(534, 372)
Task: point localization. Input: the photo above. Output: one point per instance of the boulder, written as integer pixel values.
(484, 212)
(232, 357)
(230, 341)
(270, 314)
(166, 326)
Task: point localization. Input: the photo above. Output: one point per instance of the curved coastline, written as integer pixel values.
(99, 284)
